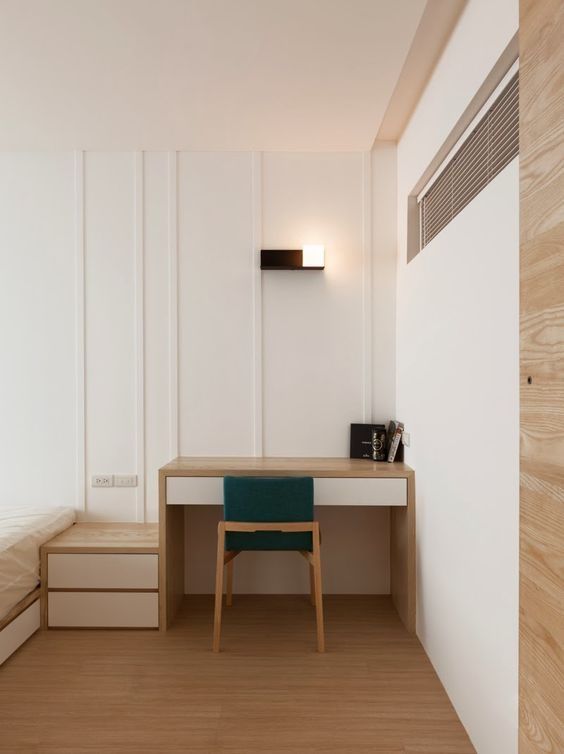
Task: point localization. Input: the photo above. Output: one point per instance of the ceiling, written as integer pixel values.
(280, 75)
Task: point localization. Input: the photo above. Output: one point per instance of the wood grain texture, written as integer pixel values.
(541, 665)
(317, 467)
(403, 568)
(374, 690)
(43, 581)
(171, 517)
(98, 539)
(541, 122)
(106, 537)
(226, 558)
(171, 556)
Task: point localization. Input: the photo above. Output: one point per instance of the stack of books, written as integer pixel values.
(372, 441)
(395, 432)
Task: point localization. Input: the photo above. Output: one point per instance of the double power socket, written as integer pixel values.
(114, 480)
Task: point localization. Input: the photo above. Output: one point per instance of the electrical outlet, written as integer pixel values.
(406, 439)
(102, 480)
(125, 480)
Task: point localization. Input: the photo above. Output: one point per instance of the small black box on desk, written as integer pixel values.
(369, 441)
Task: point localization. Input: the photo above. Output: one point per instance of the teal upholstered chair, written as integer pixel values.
(267, 513)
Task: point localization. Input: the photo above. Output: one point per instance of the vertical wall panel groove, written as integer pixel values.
(80, 366)
(140, 331)
(367, 287)
(256, 277)
(173, 301)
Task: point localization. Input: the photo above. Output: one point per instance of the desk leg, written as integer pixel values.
(171, 557)
(403, 558)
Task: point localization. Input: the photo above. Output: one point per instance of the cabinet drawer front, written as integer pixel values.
(327, 491)
(108, 571)
(103, 609)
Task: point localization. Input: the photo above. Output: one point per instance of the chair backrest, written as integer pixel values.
(268, 500)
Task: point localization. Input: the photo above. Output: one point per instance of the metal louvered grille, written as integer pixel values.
(493, 143)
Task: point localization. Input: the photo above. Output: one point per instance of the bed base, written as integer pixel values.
(19, 624)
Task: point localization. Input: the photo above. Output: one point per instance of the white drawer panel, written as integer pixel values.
(103, 571)
(360, 491)
(104, 609)
(194, 490)
(19, 630)
(327, 490)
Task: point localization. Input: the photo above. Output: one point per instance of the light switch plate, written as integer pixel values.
(125, 480)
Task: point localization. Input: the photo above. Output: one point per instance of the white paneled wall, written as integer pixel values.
(136, 324)
(160, 300)
(110, 328)
(37, 329)
(313, 324)
(215, 232)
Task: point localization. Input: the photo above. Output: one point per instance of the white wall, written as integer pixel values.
(457, 387)
(137, 325)
(37, 337)
(215, 307)
(313, 327)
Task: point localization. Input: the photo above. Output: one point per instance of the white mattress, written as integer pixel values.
(22, 532)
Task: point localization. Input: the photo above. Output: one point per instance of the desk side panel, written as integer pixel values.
(171, 557)
(403, 559)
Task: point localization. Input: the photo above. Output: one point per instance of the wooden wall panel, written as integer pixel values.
(541, 684)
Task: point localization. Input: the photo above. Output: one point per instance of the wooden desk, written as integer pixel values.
(337, 481)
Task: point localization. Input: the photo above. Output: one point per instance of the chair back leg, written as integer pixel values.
(220, 564)
(312, 584)
(318, 589)
(229, 584)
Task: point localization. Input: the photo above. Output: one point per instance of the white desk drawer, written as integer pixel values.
(349, 491)
(327, 490)
(103, 609)
(103, 571)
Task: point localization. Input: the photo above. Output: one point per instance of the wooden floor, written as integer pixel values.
(268, 691)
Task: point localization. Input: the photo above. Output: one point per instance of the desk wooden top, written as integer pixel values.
(315, 467)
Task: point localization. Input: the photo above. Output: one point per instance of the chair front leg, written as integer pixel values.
(318, 589)
(219, 585)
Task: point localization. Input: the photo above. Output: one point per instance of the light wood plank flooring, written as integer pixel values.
(268, 691)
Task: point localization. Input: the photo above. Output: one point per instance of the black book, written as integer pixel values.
(368, 441)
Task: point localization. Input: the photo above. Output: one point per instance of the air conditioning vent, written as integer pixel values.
(492, 144)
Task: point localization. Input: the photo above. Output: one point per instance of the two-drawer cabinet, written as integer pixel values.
(101, 576)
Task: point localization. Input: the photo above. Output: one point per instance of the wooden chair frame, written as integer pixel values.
(226, 559)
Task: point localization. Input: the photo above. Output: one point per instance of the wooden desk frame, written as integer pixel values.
(171, 520)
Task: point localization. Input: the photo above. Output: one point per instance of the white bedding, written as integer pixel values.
(22, 532)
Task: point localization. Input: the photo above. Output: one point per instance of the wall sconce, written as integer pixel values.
(311, 257)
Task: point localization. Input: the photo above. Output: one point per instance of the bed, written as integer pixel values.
(22, 531)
